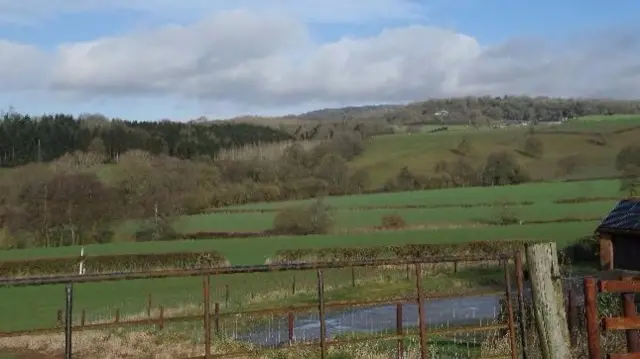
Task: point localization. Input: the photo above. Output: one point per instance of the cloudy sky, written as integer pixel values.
(152, 59)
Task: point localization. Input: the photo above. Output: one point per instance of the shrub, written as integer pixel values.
(533, 146)
(315, 219)
(393, 221)
(585, 250)
(501, 168)
(506, 215)
(160, 230)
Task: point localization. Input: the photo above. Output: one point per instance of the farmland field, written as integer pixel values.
(558, 211)
(386, 155)
(425, 225)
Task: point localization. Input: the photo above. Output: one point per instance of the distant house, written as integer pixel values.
(619, 236)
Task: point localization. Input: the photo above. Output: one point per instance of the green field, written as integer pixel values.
(40, 303)
(350, 219)
(535, 192)
(384, 156)
(354, 217)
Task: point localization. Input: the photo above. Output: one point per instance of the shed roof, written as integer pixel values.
(624, 217)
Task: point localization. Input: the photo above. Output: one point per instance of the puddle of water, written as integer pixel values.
(438, 312)
(448, 312)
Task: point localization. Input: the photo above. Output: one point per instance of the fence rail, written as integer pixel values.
(626, 287)
(211, 318)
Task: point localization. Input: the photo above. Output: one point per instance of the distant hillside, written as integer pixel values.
(474, 111)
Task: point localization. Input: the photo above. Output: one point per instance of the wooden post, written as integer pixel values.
(353, 277)
(59, 318)
(400, 349)
(422, 319)
(161, 318)
(216, 323)
(629, 311)
(323, 329)
(521, 305)
(149, 305)
(591, 311)
(548, 301)
(206, 298)
(606, 251)
(293, 285)
(290, 327)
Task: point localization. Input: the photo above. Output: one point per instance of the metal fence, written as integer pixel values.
(211, 314)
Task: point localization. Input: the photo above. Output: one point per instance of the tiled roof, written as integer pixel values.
(625, 216)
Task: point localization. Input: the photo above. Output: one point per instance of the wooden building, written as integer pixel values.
(619, 236)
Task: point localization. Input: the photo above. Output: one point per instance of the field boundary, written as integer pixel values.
(207, 316)
(568, 200)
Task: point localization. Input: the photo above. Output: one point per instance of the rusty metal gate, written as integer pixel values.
(210, 318)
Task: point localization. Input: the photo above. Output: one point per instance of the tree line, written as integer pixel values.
(73, 181)
(25, 139)
(78, 199)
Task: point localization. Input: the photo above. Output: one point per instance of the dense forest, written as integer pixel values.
(25, 139)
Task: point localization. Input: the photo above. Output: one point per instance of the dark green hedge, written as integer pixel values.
(111, 263)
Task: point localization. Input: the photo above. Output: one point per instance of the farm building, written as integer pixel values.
(619, 236)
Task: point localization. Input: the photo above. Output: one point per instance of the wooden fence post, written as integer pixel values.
(548, 301)
(629, 311)
(399, 316)
(206, 298)
(591, 312)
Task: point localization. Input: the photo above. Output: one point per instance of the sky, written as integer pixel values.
(153, 59)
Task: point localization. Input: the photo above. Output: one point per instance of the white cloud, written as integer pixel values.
(21, 66)
(266, 60)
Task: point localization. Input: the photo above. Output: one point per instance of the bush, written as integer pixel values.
(534, 147)
(315, 219)
(501, 168)
(406, 251)
(155, 231)
(585, 250)
(506, 215)
(393, 221)
(135, 262)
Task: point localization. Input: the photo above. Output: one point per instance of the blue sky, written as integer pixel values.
(146, 60)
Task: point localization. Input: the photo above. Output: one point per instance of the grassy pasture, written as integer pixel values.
(535, 192)
(384, 156)
(36, 306)
(257, 250)
(350, 219)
